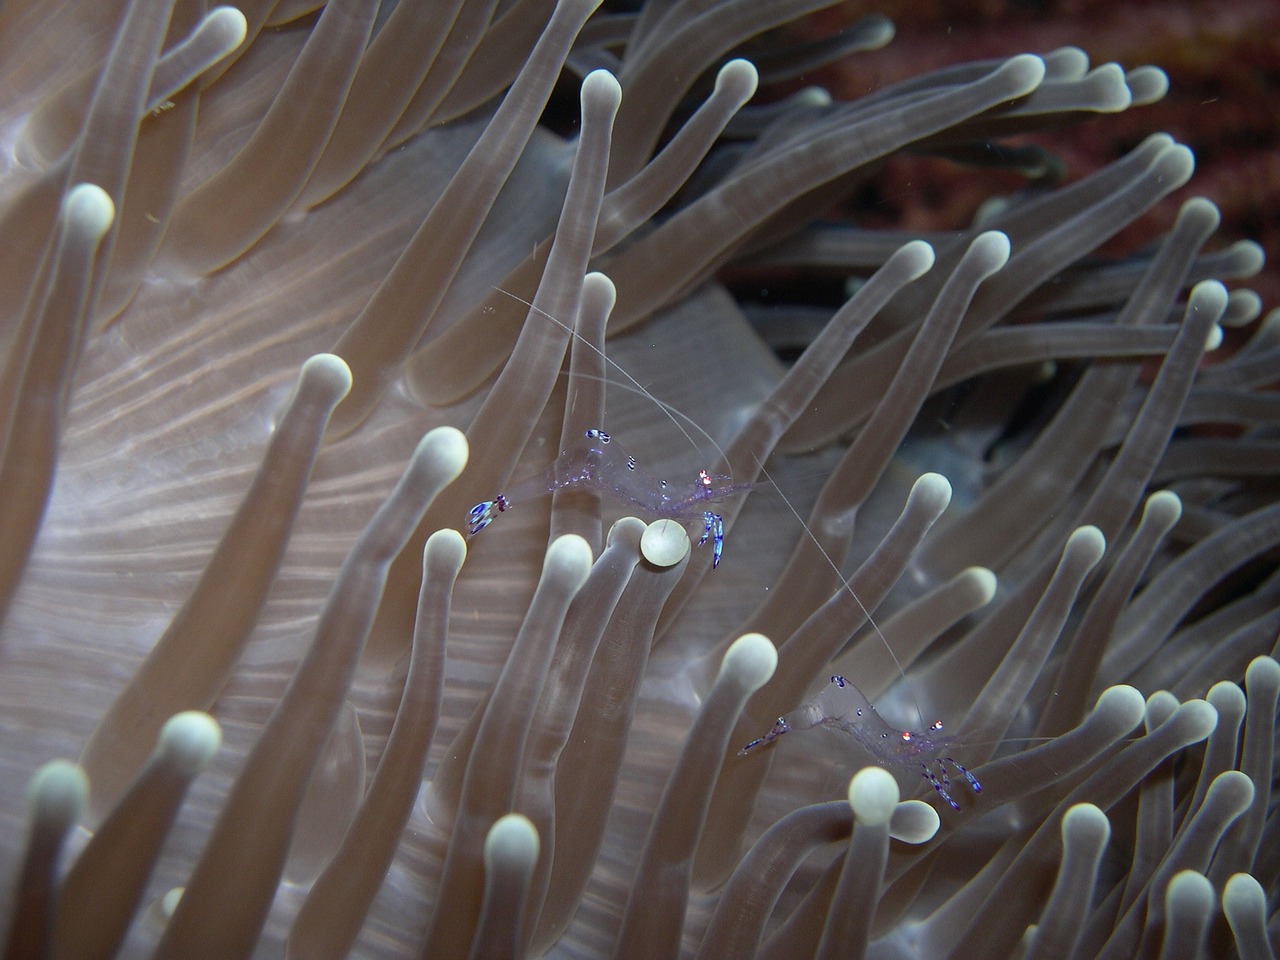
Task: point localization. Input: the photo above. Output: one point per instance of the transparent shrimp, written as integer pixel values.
(714, 487)
(597, 463)
(842, 707)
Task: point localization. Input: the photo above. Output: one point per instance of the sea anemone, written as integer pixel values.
(291, 289)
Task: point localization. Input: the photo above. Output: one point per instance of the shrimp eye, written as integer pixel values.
(907, 736)
(936, 727)
(704, 478)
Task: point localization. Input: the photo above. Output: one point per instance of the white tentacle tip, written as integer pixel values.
(664, 543)
(1262, 670)
(626, 530)
(602, 87)
(599, 295)
(568, 557)
(1227, 697)
(513, 842)
(983, 581)
(914, 821)
(445, 451)
(932, 490)
(1085, 823)
(167, 905)
(1189, 892)
(1163, 507)
(919, 256)
(750, 660)
(1087, 544)
(873, 795)
(1147, 84)
(1174, 165)
(1026, 70)
(992, 247)
(1243, 898)
(89, 208)
(230, 23)
(1127, 701)
(188, 741)
(1233, 789)
(330, 370)
(741, 76)
(59, 792)
(1202, 718)
(1160, 705)
(446, 547)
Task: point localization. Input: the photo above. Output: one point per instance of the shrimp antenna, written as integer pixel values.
(847, 588)
(673, 414)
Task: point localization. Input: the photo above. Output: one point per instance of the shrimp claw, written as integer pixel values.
(484, 513)
(713, 529)
(942, 783)
(780, 726)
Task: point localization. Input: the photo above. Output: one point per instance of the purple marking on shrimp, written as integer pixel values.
(842, 706)
(595, 464)
(484, 513)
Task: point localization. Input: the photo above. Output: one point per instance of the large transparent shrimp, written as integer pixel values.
(842, 707)
(599, 464)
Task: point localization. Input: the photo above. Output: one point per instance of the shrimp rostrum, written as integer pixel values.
(596, 463)
(842, 706)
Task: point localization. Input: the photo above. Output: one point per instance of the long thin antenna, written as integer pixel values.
(849, 589)
(674, 415)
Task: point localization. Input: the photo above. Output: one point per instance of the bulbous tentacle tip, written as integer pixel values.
(664, 543)
(1262, 670)
(1088, 544)
(1174, 165)
(1202, 719)
(1147, 85)
(873, 796)
(189, 740)
(1189, 893)
(1163, 506)
(933, 491)
(330, 370)
(1025, 72)
(89, 210)
(1244, 901)
(446, 547)
(992, 250)
(740, 77)
(1085, 822)
(59, 792)
(513, 840)
(918, 256)
(914, 821)
(751, 660)
(1127, 700)
(568, 557)
(1113, 94)
(230, 23)
(446, 446)
(985, 582)
(601, 89)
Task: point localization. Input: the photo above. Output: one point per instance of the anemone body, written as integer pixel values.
(500, 747)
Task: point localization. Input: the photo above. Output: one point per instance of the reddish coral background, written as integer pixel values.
(1223, 63)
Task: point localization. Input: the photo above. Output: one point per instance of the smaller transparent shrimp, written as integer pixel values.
(842, 706)
(596, 463)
